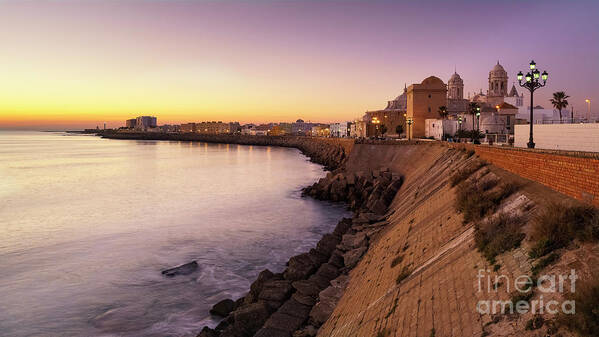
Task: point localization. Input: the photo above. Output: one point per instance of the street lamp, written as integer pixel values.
(476, 141)
(376, 123)
(589, 109)
(532, 83)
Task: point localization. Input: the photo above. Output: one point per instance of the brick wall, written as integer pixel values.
(575, 174)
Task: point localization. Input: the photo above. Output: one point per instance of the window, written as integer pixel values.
(429, 109)
(429, 95)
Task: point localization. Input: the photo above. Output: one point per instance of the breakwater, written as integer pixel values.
(329, 152)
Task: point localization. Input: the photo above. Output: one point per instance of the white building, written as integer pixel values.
(340, 130)
(437, 128)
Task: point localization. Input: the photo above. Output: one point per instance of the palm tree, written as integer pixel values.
(559, 102)
(442, 111)
(473, 108)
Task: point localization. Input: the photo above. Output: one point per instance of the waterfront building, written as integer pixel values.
(143, 123)
(423, 102)
(340, 130)
(234, 127)
(391, 116)
(321, 130)
(168, 128)
(130, 123)
(358, 129)
(213, 127)
(188, 127)
(276, 130)
(301, 128)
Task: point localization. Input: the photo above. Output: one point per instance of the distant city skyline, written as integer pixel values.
(76, 64)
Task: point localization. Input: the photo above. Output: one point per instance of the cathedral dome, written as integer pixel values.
(432, 80)
(498, 71)
(455, 79)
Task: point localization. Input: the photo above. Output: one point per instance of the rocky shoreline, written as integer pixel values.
(296, 302)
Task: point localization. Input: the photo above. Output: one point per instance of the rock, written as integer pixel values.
(275, 292)
(321, 282)
(207, 332)
(284, 322)
(306, 287)
(300, 266)
(327, 271)
(352, 241)
(223, 308)
(342, 227)
(378, 206)
(256, 286)
(351, 179)
(336, 259)
(184, 269)
(295, 308)
(340, 282)
(328, 299)
(369, 217)
(304, 299)
(272, 332)
(250, 318)
(309, 331)
(327, 244)
(351, 258)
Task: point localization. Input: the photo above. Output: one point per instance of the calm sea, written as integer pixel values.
(88, 224)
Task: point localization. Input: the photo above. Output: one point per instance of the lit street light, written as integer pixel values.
(532, 83)
(476, 141)
(376, 123)
(589, 109)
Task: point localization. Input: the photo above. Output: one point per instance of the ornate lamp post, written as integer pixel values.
(474, 109)
(410, 121)
(476, 141)
(532, 83)
(376, 123)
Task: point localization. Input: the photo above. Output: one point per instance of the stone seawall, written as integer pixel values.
(330, 152)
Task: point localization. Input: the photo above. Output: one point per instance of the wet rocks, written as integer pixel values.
(223, 308)
(184, 269)
(297, 301)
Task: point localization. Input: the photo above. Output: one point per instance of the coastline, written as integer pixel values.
(301, 298)
(329, 152)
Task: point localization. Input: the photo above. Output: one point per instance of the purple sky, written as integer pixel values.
(79, 63)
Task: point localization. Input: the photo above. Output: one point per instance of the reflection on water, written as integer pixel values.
(87, 224)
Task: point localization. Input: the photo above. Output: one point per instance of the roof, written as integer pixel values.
(432, 80)
(505, 105)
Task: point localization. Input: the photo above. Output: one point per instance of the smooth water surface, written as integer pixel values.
(87, 224)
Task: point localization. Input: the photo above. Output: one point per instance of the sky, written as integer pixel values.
(75, 64)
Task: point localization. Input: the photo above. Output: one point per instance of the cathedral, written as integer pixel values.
(498, 106)
(496, 95)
